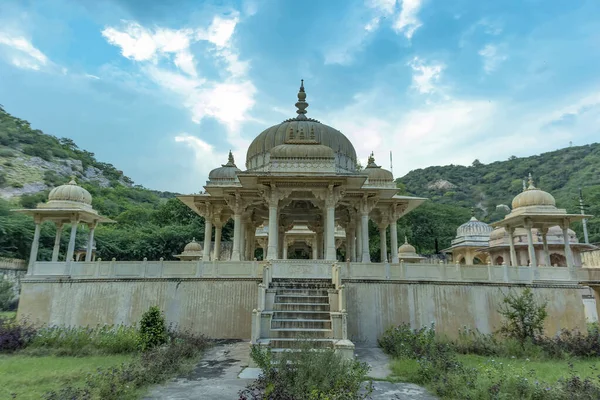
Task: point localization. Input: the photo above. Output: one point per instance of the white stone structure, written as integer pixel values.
(471, 238)
(301, 172)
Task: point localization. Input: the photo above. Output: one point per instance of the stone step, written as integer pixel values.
(301, 292)
(305, 284)
(301, 307)
(295, 333)
(301, 315)
(301, 299)
(301, 323)
(291, 343)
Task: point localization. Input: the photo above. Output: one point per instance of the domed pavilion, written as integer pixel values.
(67, 204)
(301, 173)
(534, 215)
(471, 237)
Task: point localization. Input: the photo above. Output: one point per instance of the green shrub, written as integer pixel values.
(8, 153)
(403, 342)
(38, 150)
(307, 374)
(524, 317)
(7, 295)
(153, 330)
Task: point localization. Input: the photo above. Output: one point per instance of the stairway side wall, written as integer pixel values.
(222, 308)
(374, 307)
(217, 308)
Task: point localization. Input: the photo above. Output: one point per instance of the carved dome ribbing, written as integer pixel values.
(192, 246)
(71, 192)
(302, 151)
(473, 227)
(533, 196)
(301, 130)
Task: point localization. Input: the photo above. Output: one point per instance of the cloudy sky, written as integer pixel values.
(163, 90)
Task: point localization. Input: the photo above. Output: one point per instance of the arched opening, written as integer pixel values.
(462, 260)
(477, 261)
(558, 260)
(499, 260)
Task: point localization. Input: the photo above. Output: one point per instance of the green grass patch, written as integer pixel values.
(32, 377)
(550, 371)
(8, 314)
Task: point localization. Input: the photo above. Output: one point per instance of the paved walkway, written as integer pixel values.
(223, 372)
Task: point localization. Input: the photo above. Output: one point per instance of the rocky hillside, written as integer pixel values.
(32, 162)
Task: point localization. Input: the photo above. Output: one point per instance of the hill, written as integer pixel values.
(455, 189)
(150, 223)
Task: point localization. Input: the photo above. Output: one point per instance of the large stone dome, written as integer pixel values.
(301, 130)
(533, 196)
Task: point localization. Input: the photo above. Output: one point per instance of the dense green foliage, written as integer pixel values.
(523, 316)
(153, 330)
(484, 186)
(7, 295)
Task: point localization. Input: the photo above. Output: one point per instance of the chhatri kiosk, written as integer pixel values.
(301, 174)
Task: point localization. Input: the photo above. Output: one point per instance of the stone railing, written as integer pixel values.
(12, 263)
(310, 269)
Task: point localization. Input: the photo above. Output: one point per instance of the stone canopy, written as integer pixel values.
(301, 172)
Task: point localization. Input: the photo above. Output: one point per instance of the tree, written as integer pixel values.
(524, 317)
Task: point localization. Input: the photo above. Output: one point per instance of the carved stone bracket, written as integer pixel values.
(272, 195)
(236, 203)
(330, 196)
(366, 204)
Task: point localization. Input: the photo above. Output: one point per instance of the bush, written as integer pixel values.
(7, 295)
(403, 342)
(524, 318)
(14, 335)
(307, 374)
(153, 331)
(572, 343)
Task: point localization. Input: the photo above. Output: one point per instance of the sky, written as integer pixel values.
(163, 90)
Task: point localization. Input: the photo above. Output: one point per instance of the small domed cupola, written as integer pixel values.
(533, 197)
(473, 227)
(377, 175)
(70, 195)
(191, 252)
(226, 174)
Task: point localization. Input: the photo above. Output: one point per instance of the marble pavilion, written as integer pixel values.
(302, 183)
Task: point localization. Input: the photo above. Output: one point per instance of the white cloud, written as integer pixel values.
(22, 54)
(92, 76)
(205, 155)
(493, 55)
(425, 77)
(407, 21)
(228, 100)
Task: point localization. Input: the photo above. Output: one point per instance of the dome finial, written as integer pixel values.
(530, 182)
(405, 239)
(301, 104)
(72, 181)
(371, 161)
(230, 161)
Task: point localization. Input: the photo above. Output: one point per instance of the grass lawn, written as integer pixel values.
(8, 314)
(549, 371)
(31, 377)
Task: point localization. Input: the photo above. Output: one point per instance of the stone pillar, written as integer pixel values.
(56, 250)
(545, 243)
(366, 257)
(285, 247)
(351, 242)
(88, 253)
(511, 241)
(530, 247)
(273, 233)
(242, 244)
(358, 255)
(315, 253)
(383, 242)
(71, 248)
(217, 251)
(34, 246)
(568, 254)
(237, 232)
(394, 241)
(330, 230)
(207, 239)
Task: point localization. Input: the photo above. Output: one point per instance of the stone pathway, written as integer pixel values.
(224, 371)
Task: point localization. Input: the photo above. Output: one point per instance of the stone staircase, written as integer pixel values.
(294, 312)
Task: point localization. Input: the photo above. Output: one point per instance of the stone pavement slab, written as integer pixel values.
(223, 371)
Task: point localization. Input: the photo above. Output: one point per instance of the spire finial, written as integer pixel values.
(72, 181)
(530, 182)
(230, 161)
(301, 104)
(371, 161)
(405, 239)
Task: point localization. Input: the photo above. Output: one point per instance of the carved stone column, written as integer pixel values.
(71, 248)
(207, 212)
(272, 195)
(56, 249)
(383, 242)
(217, 251)
(237, 206)
(365, 206)
(330, 196)
(90, 244)
(567, 243)
(545, 244)
(35, 245)
(530, 247)
(359, 243)
(396, 210)
(511, 241)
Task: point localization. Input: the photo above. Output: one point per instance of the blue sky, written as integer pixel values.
(163, 90)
